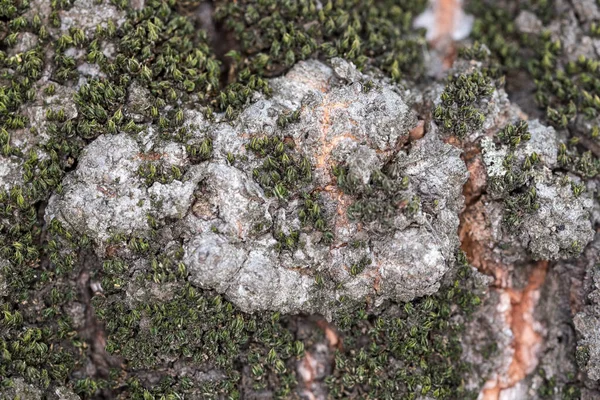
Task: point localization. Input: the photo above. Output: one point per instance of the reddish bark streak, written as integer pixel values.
(526, 340)
(445, 19)
(478, 244)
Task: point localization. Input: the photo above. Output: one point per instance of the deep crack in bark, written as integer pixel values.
(93, 330)
(475, 238)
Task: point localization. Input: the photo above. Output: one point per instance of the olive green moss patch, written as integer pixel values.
(273, 35)
(565, 90)
(395, 351)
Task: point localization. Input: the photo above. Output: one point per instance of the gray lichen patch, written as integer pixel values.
(11, 173)
(544, 210)
(493, 158)
(64, 393)
(106, 195)
(543, 142)
(139, 100)
(249, 242)
(244, 221)
(561, 227)
(248, 277)
(22, 390)
(87, 14)
(240, 207)
(487, 340)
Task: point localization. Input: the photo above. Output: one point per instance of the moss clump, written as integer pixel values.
(282, 171)
(168, 388)
(311, 215)
(551, 388)
(495, 27)
(200, 152)
(99, 104)
(513, 135)
(287, 242)
(274, 35)
(152, 172)
(288, 117)
(380, 199)
(360, 266)
(163, 51)
(26, 352)
(410, 350)
(565, 90)
(287, 175)
(204, 330)
(38, 340)
(516, 186)
(584, 164)
(458, 114)
(259, 353)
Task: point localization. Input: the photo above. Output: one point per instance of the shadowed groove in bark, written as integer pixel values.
(519, 316)
(93, 331)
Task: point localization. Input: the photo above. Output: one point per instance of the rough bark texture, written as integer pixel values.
(317, 207)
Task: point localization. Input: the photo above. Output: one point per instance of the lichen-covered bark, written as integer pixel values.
(292, 200)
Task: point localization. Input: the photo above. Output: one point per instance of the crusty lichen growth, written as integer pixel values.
(541, 209)
(151, 195)
(103, 93)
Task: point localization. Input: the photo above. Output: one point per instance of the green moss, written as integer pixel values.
(283, 172)
(380, 199)
(459, 114)
(99, 103)
(202, 329)
(564, 89)
(594, 29)
(274, 35)
(27, 353)
(571, 392)
(360, 266)
(420, 339)
(164, 51)
(287, 242)
(553, 388)
(513, 135)
(577, 188)
(255, 352)
(288, 117)
(548, 388)
(153, 172)
(168, 388)
(584, 164)
(495, 27)
(311, 215)
(516, 186)
(39, 343)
